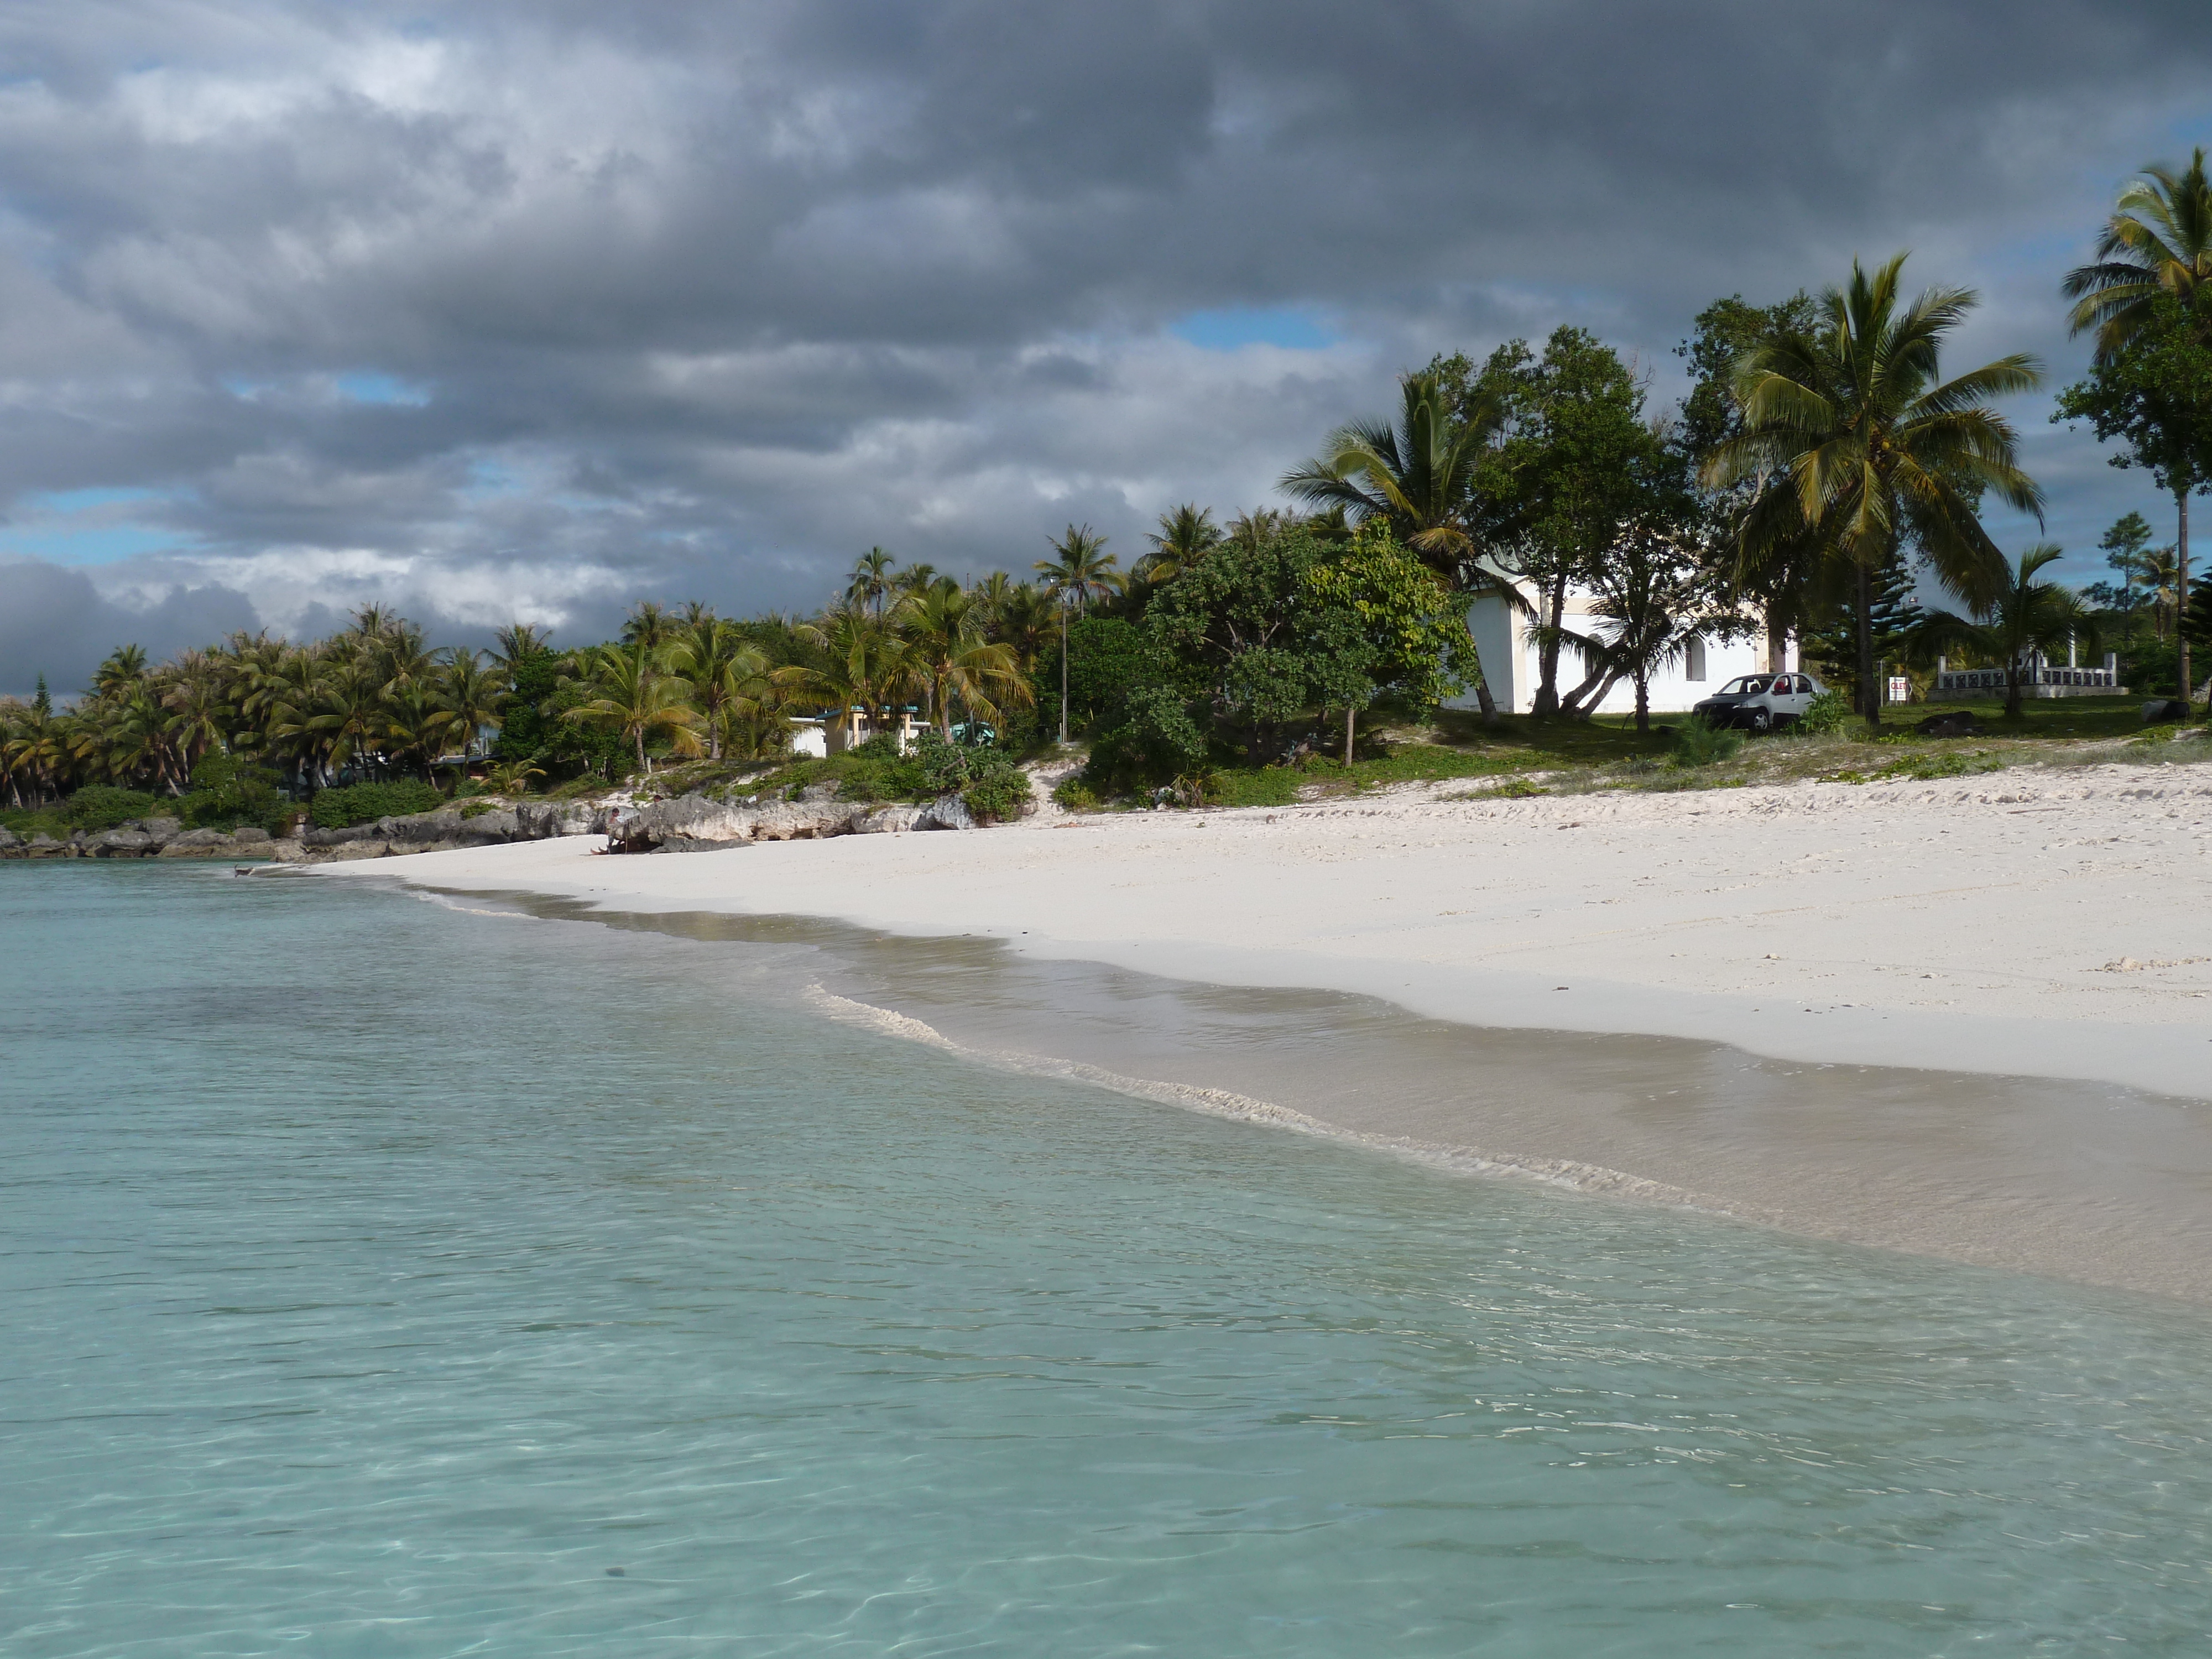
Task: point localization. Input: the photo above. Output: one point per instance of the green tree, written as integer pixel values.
(2155, 253)
(2153, 393)
(1877, 447)
(1084, 571)
(471, 695)
(1418, 476)
(946, 633)
(871, 582)
(2027, 615)
(1385, 622)
(1782, 576)
(631, 695)
(1186, 534)
(1578, 466)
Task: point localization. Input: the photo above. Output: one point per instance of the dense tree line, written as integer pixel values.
(1823, 468)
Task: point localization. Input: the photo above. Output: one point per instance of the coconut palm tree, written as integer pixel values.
(472, 695)
(1084, 570)
(1186, 534)
(1416, 475)
(726, 673)
(862, 662)
(648, 625)
(2025, 615)
(517, 642)
(1877, 449)
(2158, 241)
(871, 580)
(636, 699)
(946, 633)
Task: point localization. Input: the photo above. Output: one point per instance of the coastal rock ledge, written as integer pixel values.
(688, 823)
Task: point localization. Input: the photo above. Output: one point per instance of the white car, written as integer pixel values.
(1761, 702)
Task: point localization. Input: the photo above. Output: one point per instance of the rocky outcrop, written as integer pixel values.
(693, 824)
(683, 824)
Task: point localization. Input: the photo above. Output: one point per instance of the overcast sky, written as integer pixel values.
(531, 311)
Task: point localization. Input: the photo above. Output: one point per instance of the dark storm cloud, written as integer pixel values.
(539, 309)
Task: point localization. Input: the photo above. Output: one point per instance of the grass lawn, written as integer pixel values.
(1522, 755)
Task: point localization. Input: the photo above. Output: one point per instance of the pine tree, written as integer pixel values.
(42, 702)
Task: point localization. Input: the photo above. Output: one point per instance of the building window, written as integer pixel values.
(1694, 659)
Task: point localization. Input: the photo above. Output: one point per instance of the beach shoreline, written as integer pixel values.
(2043, 1119)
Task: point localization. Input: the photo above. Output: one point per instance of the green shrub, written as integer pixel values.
(1157, 741)
(365, 803)
(997, 788)
(100, 807)
(1828, 712)
(1697, 744)
(1076, 795)
(228, 791)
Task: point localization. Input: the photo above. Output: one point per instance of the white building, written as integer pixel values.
(1506, 640)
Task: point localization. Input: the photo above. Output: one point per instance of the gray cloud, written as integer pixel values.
(537, 309)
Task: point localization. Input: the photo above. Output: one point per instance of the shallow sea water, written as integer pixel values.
(383, 1279)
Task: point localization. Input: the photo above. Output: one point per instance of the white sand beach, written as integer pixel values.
(2047, 924)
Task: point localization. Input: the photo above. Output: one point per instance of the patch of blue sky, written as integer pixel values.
(1292, 328)
(82, 500)
(371, 386)
(96, 525)
(91, 543)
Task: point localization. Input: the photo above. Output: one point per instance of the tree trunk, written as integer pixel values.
(2012, 689)
(1063, 673)
(1870, 693)
(643, 764)
(1349, 712)
(1778, 640)
(2181, 597)
(1488, 704)
(1571, 704)
(1547, 649)
(1643, 703)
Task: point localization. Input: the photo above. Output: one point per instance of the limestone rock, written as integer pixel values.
(250, 832)
(946, 812)
(162, 829)
(122, 843)
(887, 820)
(198, 844)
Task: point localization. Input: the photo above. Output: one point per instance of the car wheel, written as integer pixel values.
(1761, 722)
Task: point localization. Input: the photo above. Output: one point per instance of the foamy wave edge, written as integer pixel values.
(1591, 1178)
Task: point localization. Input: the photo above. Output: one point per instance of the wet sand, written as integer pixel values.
(1969, 1020)
(2097, 1183)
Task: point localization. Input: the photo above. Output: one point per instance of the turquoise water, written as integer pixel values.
(379, 1279)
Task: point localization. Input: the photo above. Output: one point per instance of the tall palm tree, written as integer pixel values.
(1416, 475)
(2025, 615)
(648, 625)
(1186, 534)
(472, 695)
(635, 699)
(945, 631)
(872, 579)
(1084, 570)
(863, 661)
(2158, 241)
(1877, 447)
(727, 674)
(517, 642)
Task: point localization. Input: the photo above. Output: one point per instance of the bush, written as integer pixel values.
(228, 792)
(1156, 741)
(988, 782)
(365, 803)
(100, 807)
(1697, 744)
(1828, 712)
(1076, 795)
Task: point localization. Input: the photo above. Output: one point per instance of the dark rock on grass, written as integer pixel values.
(1957, 724)
(2160, 709)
